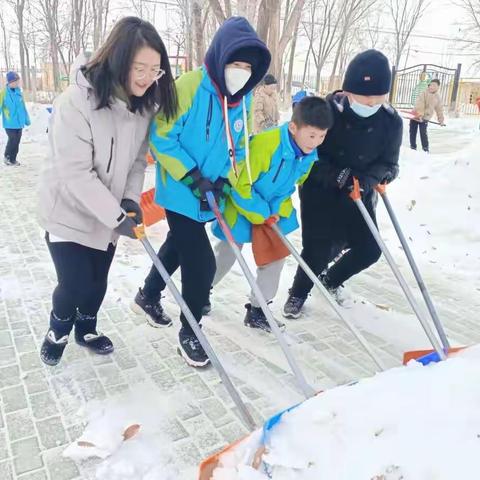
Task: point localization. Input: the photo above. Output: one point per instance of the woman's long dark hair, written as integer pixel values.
(110, 67)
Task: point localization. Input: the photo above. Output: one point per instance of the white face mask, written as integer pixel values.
(236, 78)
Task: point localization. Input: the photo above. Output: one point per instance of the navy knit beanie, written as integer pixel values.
(368, 74)
(251, 55)
(12, 77)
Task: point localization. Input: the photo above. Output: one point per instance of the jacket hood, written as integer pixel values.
(235, 33)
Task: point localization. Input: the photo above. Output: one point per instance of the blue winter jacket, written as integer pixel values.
(14, 111)
(196, 136)
(277, 166)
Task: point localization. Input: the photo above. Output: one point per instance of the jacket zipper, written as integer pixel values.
(278, 171)
(209, 118)
(111, 155)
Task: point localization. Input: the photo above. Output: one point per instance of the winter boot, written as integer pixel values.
(191, 349)
(293, 306)
(56, 339)
(6, 161)
(255, 318)
(151, 309)
(86, 335)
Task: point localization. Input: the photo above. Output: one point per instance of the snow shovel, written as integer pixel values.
(423, 356)
(308, 271)
(307, 390)
(412, 115)
(247, 417)
(356, 196)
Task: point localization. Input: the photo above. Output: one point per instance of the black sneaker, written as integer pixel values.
(52, 348)
(191, 350)
(293, 306)
(151, 309)
(255, 318)
(86, 335)
(6, 161)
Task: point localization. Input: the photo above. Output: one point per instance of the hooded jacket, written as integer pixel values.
(276, 170)
(12, 106)
(207, 114)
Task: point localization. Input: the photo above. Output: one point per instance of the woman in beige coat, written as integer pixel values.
(94, 174)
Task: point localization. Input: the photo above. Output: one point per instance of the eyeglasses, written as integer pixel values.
(155, 74)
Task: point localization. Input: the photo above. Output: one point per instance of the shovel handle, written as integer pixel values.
(381, 188)
(139, 230)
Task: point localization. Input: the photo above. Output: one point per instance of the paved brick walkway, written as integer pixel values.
(42, 409)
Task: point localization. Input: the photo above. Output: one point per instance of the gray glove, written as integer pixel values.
(126, 228)
(132, 207)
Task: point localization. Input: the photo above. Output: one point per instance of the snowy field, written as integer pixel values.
(185, 415)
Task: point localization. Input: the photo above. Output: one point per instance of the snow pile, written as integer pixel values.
(410, 423)
(128, 434)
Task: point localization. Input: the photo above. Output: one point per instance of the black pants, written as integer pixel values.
(14, 137)
(330, 219)
(414, 126)
(187, 246)
(82, 274)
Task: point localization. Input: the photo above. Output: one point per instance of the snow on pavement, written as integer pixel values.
(186, 414)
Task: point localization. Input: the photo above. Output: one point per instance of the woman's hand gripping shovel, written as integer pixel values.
(245, 414)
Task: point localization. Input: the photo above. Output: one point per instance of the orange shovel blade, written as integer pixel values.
(152, 212)
(415, 354)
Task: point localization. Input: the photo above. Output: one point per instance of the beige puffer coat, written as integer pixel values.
(96, 158)
(266, 109)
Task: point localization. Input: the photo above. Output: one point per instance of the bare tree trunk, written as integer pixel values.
(100, 14)
(218, 11)
(405, 15)
(198, 32)
(288, 86)
(305, 67)
(6, 43)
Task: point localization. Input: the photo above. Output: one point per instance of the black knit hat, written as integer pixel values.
(368, 74)
(269, 79)
(251, 55)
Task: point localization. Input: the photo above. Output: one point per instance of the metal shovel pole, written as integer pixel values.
(307, 390)
(247, 417)
(308, 271)
(356, 196)
(381, 189)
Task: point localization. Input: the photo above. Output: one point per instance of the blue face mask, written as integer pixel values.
(364, 111)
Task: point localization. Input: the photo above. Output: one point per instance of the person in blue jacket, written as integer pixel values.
(14, 116)
(195, 152)
(281, 159)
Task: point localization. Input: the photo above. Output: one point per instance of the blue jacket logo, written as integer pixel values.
(238, 125)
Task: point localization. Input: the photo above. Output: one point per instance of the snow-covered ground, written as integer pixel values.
(410, 423)
(437, 201)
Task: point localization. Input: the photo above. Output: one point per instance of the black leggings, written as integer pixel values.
(187, 246)
(14, 137)
(82, 274)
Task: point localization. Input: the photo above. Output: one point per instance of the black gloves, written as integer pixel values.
(391, 175)
(222, 188)
(200, 186)
(132, 207)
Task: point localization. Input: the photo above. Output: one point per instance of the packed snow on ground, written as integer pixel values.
(436, 199)
(410, 423)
